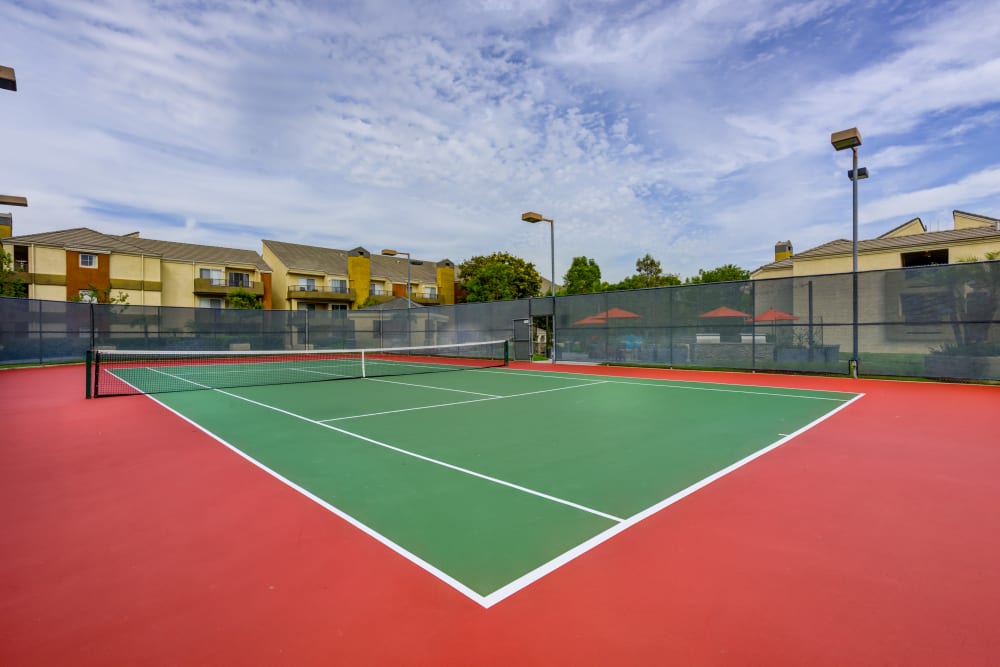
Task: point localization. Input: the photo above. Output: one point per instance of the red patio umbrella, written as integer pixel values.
(618, 314)
(611, 314)
(724, 311)
(773, 315)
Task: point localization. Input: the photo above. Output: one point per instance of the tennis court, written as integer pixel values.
(500, 514)
(488, 478)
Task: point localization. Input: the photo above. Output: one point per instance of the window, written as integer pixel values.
(20, 258)
(375, 289)
(88, 261)
(924, 257)
(339, 286)
(87, 295)
(338, 306)
(239, 279)
(430, 292)
(210, 303)
(214, 275)
(307, 284)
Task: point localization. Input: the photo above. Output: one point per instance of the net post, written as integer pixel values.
(506, 353)
(90, 360)
(363, 364)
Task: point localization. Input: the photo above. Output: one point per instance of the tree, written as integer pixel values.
(10, 285)
(494, 282)
(972, 299)
(648, 273)
(100, 295)
(240, 298)
(499, 276)
(721, 274)
(583, 277)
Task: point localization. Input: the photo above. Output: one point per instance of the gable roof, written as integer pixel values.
(844, 246)
(82, 238)
(299, 257)
(914, 226)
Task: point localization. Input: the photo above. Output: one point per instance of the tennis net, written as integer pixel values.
(123, 372)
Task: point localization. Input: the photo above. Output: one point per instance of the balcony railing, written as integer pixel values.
(223, 286)
(320, 293)
(224, 282)
(318, 288)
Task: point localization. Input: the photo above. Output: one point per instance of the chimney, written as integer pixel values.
(782, 250)
(6, 225)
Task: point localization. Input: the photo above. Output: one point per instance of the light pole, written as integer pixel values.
(9, 82)
(842, 140)
(393, 253)
(537, 217)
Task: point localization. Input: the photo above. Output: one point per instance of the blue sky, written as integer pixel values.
(696, 131)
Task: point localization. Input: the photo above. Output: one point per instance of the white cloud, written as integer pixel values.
(697, 131)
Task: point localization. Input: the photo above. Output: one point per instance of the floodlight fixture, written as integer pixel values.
(7, 79)
(533, 217)
(12, 200)
(846, 139)
(862, 173)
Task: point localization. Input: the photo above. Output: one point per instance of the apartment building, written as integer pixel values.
(315, 278)
(81, 263)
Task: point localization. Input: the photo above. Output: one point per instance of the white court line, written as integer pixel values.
(445, 405)
(428, 459)
(663, 384)
(582, 548)
(529, 578)
(428, 386)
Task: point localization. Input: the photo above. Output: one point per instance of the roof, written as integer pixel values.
(909, 227)
(202, 254)
(82, 238)
(299, 257)
(844, 246)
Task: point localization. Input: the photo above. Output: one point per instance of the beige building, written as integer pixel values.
(313, 278)
(898, 311)
(74, 263)
(909, 244)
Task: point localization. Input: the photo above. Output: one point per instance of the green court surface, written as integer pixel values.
(490, 478)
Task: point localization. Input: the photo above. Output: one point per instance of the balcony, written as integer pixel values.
(321, 293)
(426, 299)
(223, 287)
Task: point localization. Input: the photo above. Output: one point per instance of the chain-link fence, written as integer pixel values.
(934, 321)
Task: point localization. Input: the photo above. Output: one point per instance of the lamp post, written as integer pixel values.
(533, 217)
(9, 82)
(842, 140)
(393, 253)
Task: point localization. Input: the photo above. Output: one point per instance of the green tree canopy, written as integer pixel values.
(719, 274)
(648, 273)
(10, 285)
(241, 298)
(583, 277)
(499, 276)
